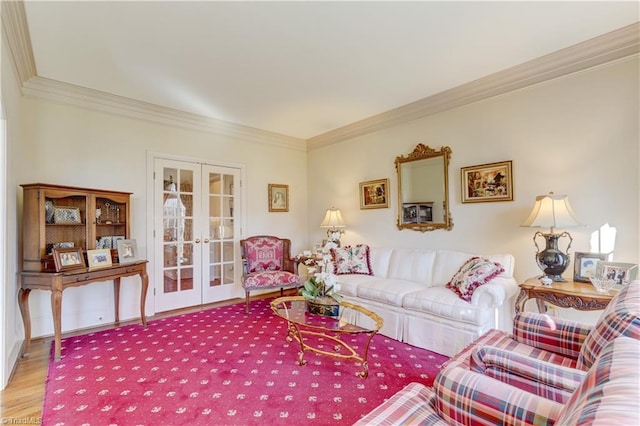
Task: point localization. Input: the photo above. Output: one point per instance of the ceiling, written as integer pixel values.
(300, 69)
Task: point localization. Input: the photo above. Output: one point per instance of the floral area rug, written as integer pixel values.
(221, 367)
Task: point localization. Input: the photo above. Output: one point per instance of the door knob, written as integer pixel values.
(197, 240)
(206, 240)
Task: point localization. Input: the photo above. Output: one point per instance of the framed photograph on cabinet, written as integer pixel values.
(585, 265)
(127, 251)
(278, 198)
(374, 194)
(67, 258)
(487, 182)
(99, 258)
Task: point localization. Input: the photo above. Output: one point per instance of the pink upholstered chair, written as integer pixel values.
(267, 264)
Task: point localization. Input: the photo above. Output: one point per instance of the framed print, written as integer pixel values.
(66, 215)
(622, 273)
(127, 251)
(278, 198)
(99, 258)
(374, 194)
(67, 258)
(586, 264)
(487, 182)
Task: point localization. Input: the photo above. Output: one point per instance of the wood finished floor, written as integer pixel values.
(21, 401)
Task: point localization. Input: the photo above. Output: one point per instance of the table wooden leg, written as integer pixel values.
(542, 307)
(521, 300)
(56, 309)
(143, 296)
(23, 302)
(116, 299)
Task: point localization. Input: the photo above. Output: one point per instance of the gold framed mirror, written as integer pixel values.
(423, 189)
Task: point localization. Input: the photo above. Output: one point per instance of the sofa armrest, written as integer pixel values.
(555, 335)
(466, 397)
(495, 292)
(542, 378)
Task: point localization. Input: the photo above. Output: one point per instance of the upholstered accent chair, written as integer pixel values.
(267, 264)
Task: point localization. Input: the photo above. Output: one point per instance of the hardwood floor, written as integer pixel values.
(21, 401)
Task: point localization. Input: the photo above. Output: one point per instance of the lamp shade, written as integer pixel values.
(552, 211)
(333, 219)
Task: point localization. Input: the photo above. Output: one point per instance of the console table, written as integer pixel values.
(569, 294)
(57, 282)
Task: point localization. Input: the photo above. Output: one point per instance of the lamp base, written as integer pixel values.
(554, 278)
(551, 260)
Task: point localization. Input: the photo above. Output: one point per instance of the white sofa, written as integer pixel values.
(408, 290)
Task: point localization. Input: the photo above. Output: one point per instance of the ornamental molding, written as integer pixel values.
(621, 44)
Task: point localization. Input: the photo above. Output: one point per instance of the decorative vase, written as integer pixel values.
(326, 306)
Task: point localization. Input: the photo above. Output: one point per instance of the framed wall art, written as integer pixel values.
(67, 258)
(278, 198)
(127, 251)
(99, 258)
(374, 194)
(585, 265)
(487, 182)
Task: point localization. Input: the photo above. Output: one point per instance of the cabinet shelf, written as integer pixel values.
(40, 233)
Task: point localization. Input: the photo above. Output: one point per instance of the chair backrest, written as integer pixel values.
(610, 391)
(620, 318)
(266, 253)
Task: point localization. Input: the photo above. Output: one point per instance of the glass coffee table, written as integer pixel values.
(312, 331)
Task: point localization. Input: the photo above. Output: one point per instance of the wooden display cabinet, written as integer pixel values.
(64, 216)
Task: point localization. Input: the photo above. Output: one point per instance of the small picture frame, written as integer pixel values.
(66, 215)
(67, 258)
(622, 273)
(487, 182)
(586, 264)
(99, 258)
(127, 251)
(278, 198)
(374, 194)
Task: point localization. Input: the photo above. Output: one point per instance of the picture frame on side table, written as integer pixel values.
(374, 194)
(99, 258)
(278, 197)
(586, 264)
(127, 251)
(622, 273)
(68, 258)
(487, 182)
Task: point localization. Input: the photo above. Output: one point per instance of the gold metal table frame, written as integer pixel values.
(301, 325)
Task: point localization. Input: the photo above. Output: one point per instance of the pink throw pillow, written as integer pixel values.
(472, 274)
(351, 260)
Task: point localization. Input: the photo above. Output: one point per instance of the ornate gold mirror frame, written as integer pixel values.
(423, 189)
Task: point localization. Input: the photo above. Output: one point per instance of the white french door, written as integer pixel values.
(195, 229)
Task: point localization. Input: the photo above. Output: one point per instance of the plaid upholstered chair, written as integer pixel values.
(267, 264)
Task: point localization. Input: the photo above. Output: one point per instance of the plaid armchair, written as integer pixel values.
(550, 356)
(267, 264)
(607, 395)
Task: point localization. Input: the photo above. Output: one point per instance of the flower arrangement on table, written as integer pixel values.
(320, 287)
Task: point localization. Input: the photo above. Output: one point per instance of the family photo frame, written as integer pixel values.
(621, 273)
(127, 251)
(374, 194)
(99, 258)
(278, 197)
(67, 258)
(487, 182)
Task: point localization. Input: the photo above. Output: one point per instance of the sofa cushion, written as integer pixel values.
(620, 318)
(388, 291)
(611, 390)
(443, 303)
(412, 265)
(348, 284)
(473, 273)
(379, 259)
(448, 262)
(351, 260)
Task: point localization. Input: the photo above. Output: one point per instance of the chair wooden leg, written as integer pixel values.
(246, 293)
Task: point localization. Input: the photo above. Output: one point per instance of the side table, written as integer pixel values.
(569, 294)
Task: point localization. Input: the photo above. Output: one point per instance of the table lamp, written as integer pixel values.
(334, 224)
(552, 211)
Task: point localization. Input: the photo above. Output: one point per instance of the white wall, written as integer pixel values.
(577, 135)
(79, 147)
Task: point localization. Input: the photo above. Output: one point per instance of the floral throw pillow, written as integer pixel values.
(475, 272)
(351, 260)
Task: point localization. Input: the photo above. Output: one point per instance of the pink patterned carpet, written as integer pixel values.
(220, 367)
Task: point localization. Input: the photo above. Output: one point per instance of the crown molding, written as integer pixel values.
(609, 47)
(14, 28)
(66, 93)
